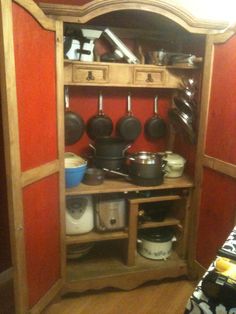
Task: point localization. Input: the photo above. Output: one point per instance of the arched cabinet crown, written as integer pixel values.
(172, 11)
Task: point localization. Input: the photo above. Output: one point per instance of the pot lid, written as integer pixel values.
(145, 158)
(162, 234)
(173, 159)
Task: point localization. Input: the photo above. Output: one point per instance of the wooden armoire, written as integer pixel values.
(32, 102)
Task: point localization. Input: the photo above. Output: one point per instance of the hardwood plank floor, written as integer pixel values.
(165, 297)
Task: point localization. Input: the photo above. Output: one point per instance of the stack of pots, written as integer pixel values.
(109, 153)
(183, 114)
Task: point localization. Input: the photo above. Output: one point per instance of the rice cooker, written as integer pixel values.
(156, 243)
(79, 214)
(110, 213)
(174, 165)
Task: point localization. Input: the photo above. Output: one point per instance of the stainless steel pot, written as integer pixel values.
(146, 165)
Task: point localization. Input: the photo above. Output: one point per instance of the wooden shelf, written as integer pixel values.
(109, 271)
(96, 237)
(154, 224)
(122, 74)
(121, 185)
(139, 200)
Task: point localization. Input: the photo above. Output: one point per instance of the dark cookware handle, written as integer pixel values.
(115, 172)
(156, 106)
(129, 110)
(125, 149)
(100, 104)
(66, 95)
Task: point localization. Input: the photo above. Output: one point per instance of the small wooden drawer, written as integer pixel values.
(90, 74)
(146, 76)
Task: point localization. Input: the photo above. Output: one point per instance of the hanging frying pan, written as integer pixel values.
(74, 124)
(155, 127)
(129, 127)
(99, 125)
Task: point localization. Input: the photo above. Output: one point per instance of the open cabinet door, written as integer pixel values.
(32, 97)
(215, 194)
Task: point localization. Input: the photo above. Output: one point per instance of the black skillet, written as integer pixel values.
(99, 125)
(74, 124)
(129, 127)
(155, 127)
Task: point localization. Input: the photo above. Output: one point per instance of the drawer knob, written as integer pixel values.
(90, 76)
(149, 78)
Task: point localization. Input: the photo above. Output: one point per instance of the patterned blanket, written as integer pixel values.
(198, 303)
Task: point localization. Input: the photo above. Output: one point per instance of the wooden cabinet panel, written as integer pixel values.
(36, 90)
(216, 173)
(221, 129)
(32, 107)
(42, 239)
(5, 249)
(217, 213)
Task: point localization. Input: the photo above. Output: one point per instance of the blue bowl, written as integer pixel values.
(74, 176)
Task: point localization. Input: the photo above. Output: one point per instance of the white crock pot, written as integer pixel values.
(174, 165)
(79, 214)
(156, 243)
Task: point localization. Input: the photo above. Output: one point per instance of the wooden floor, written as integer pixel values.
(166, 297)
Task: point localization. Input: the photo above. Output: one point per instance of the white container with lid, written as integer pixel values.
(175, 165)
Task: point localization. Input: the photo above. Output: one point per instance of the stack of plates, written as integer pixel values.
(78, 250)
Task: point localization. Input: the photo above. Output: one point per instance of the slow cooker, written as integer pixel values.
(156, 243)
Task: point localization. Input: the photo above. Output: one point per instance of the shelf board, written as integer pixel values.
(121, 185)
(96, 237)
(138, 200)
(154, 224)
(109, 271)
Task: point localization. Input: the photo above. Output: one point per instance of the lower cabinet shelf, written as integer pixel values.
(113, 260)
(96, 237)
(97, 273)
(170, 221)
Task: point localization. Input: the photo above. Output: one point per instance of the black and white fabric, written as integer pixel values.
(198, 303)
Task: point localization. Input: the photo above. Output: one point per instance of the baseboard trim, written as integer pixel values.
(6, 276)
